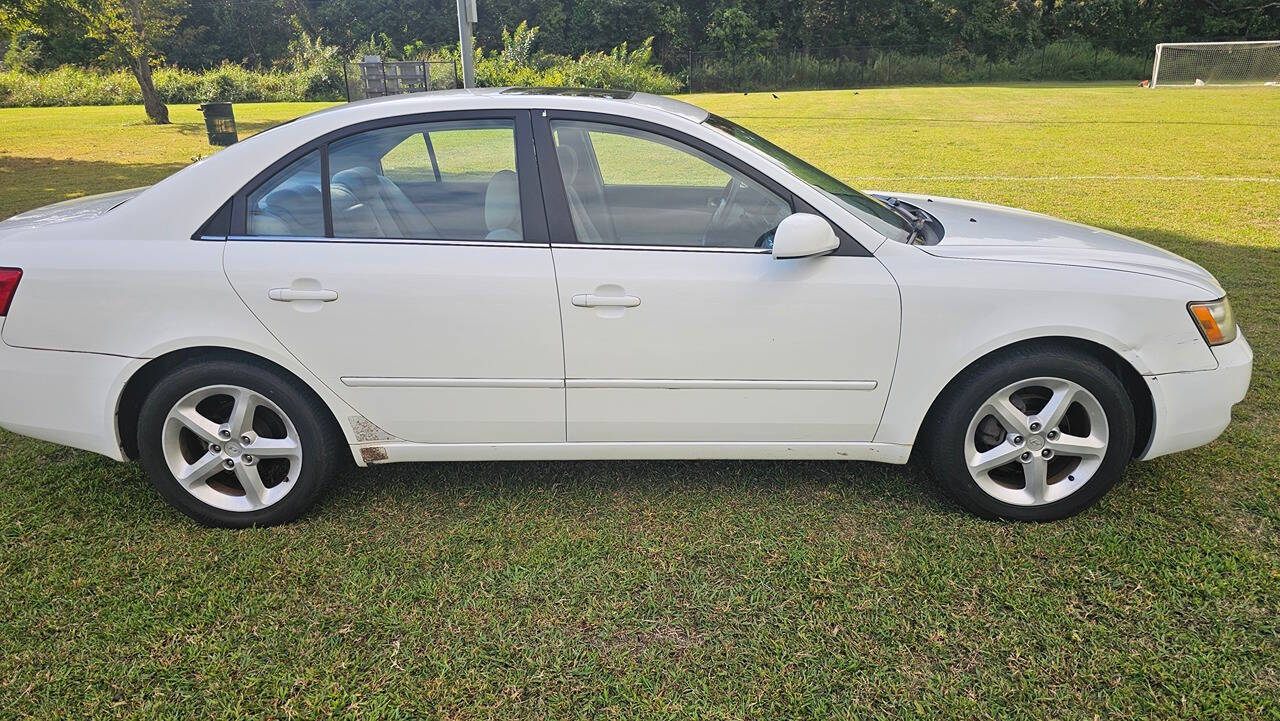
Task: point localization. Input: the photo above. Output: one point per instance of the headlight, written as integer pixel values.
(1216, 320)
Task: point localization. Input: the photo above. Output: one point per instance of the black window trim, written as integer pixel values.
(532, 214)
(218, 226)
(326, 197)
(560, 222)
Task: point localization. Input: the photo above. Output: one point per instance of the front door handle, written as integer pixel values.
(591, 300)
(291, 294)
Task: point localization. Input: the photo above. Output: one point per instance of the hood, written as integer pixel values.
(77, 209)
(994, 232)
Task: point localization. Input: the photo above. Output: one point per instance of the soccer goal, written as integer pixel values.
(1253, 62)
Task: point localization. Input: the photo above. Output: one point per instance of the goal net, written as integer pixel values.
(1255, 62)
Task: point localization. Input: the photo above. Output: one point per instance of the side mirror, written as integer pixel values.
(803, 235)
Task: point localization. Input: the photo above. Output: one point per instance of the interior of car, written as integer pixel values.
(457, 181)
(399, 183)
(631, 187)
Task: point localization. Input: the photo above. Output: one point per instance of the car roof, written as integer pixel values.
(230, 168)
(614, 101)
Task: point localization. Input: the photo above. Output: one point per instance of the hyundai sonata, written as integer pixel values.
(567, 274)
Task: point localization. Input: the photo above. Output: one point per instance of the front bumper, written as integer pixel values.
(1193, 408)
(63, 397)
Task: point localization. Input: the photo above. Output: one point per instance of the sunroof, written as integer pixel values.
(575, 92)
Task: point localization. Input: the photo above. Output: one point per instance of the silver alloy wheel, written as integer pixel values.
(1036, 441)
(232, 448)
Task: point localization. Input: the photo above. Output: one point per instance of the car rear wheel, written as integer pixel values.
(1034, 435)
(233, 444)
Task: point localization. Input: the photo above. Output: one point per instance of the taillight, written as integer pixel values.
(9, 278)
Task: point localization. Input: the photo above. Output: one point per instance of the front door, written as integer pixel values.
(679, 326)
(425, 297)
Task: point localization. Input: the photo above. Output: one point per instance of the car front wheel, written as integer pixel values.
(234, 444)
(1033, 435)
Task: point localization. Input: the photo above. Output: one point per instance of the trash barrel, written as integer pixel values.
(219, 123)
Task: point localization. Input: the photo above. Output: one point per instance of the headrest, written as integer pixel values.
(568, 164)
(298, 206)
(502, 201)
(358, 180)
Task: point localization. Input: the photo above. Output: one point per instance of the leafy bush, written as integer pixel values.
(312, 70)
(621, 69)
(517, 46)
(68, 86)
(516, 64)
(1057, 61)
(317, 65)
(78, 86)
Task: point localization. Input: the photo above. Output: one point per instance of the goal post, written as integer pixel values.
(1247, 62)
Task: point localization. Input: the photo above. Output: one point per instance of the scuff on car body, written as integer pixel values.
(365, 431)
(374, 454)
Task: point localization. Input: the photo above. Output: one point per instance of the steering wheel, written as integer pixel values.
(727, 200)
(766, 238)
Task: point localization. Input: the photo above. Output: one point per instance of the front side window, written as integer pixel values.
(447, 180)
(871, 211)
(631, 187)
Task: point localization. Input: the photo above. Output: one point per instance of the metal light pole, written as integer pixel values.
(466, 17)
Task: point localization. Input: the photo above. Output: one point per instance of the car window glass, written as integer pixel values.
(632, 187)
(474, 153)
(289, 203)
(453, 180)
(630, 160)
(410, 161)
(873, 212)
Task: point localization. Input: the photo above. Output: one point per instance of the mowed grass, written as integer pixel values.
(710, 589)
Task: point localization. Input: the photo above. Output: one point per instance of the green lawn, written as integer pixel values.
(710, 590)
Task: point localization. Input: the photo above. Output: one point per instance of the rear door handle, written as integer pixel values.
(290, 294)
(591, 300)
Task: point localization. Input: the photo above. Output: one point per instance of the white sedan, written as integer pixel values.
(567, 274)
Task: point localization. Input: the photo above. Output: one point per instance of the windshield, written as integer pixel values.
(869, 210)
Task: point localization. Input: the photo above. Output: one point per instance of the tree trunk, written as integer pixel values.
(156, 110)
(155, 107)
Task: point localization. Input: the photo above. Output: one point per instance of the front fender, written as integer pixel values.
(955, 311)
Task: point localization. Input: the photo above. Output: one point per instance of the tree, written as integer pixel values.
(735, 32)
(136, 31)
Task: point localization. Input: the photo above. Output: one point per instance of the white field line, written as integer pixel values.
(1033, 178)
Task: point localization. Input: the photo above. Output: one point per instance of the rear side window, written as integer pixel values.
(290, 203)
(447, 180)
(475, 152)
(411, 161)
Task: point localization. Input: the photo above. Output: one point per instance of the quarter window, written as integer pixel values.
(632, 187)
(289, 204)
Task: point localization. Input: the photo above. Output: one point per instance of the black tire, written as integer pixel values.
(944, 433)
(322, 443)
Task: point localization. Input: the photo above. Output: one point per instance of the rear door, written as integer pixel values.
(418, 285)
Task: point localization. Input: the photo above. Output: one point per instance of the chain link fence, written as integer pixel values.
(373, 77)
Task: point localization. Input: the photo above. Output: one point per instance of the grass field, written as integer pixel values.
(709, 590)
